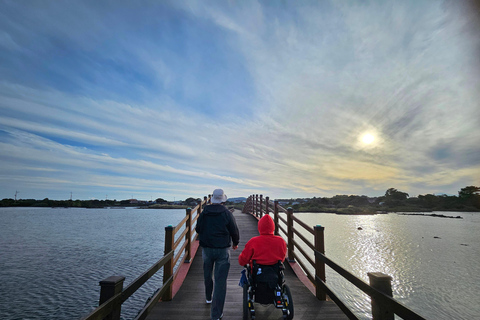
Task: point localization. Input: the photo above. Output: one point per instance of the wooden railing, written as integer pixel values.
(112, 294)
(380, 290)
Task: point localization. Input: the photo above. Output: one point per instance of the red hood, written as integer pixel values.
(266, 225)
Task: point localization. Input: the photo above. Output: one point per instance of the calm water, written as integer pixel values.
(51, 260)
(437, 277)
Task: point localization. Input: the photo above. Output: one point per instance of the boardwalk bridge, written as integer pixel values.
(182, 293)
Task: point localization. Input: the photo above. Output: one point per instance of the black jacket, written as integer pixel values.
(217, 227)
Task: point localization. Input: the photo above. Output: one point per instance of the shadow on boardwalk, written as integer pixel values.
(189, 302)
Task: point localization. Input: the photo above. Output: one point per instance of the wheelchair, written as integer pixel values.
(266, 285)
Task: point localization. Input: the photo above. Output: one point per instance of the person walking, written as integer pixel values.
(217, 231)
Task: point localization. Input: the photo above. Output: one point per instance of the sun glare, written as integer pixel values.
(368, 138)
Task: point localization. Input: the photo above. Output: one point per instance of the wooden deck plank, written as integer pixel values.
(189, 302)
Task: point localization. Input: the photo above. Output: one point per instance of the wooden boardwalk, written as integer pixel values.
(189, 301)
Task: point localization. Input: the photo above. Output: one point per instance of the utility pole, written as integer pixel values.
(16, 192)
(71, 196)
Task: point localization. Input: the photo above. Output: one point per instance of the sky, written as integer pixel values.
(173, 99)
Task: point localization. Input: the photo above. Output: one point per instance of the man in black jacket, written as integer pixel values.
(218, 231)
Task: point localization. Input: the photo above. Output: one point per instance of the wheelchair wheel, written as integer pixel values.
(246, 309)
(288, 301)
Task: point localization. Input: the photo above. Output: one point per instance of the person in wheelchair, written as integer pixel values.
(263, 258)
(265, 249)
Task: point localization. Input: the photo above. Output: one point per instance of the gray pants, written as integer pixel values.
(220, 259)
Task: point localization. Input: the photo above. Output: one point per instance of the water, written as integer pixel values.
(434, 262)
(51, 260)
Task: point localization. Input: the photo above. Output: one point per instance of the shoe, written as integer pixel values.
(208, 301)
(221, 316)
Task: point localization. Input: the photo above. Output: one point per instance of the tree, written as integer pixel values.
(393, 197)
(428, 200)
(394, 194)
(470, 196)
(468, 192)
(192, 201)
(160, 200)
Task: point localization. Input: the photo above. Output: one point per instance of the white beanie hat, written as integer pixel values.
(218, 196)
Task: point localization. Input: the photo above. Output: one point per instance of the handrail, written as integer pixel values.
(304, 225)
(180, 224)
(179, 240)
(383, 305)
(153, 301)
(103, 310)
(137, 283)
(399, 308)
(303, 266)
(177, 257)
(112, 294)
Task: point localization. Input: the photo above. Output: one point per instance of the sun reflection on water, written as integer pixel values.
(423, 267)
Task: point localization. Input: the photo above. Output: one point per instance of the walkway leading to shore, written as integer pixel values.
(189, 302)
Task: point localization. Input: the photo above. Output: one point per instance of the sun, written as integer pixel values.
(368, 138)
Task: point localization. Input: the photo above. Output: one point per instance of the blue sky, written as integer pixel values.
(173, 99)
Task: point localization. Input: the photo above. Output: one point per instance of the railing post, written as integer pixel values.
(319, 264)
(383, 283)
(248, 205)
(108, 288)
(291, 255)
(252, 203)
(275, 216)
(261, 205)
(168, 268)
(267, 203)
(188, 236)
(256, 205)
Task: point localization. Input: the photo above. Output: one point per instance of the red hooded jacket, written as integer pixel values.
(266, 249)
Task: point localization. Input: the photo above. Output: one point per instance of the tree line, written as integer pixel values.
(95, 203)
(468, 199)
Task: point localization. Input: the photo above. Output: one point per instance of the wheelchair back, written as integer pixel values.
(265, 284)
(266, 281)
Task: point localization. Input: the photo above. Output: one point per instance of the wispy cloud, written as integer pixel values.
(174, 99)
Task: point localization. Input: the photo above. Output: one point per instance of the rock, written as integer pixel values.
(359, 228)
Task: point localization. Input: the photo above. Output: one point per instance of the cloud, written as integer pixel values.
(183, 97)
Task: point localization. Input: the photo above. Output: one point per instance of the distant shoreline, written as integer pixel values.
(105, 207)
(359, 212)
(422, 213)
(165, 206)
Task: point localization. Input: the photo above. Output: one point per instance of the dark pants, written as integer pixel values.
(220, 259)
